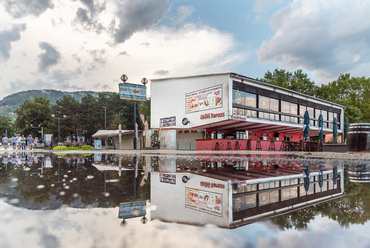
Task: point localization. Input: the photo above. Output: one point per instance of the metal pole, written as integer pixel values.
(58, 130)
(105, 118)
(135, 141)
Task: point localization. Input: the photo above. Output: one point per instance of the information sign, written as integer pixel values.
(132, 92)
(132, 209)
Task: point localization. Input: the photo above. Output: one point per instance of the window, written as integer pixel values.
(263, 102)
(274, 104)
(250, 100)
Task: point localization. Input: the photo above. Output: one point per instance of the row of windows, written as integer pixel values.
(276, 117)
(266, 103)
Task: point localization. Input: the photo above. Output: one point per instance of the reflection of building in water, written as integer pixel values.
(229, 197)
(359, 173)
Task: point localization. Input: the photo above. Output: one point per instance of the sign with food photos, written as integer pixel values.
(204, 201)
(204, 99)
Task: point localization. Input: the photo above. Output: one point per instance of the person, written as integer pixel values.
(23, 142)
(29, 141)
(5, 142)
(19, 141)
(14, 142)
(36, 141)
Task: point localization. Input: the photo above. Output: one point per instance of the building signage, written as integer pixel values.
(168, 122)
(185, 121)
(204, 99)
(212, 185)
(239, 117)
(132, 209)
(168, 178)
(203, 201)
(212, 115)
(132, 92)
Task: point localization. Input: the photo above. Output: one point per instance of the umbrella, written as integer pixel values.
(321, 126)
(321, 176)
(306, 179)
(335, 173)
(335, 130)
(346, 126)
(306, 124)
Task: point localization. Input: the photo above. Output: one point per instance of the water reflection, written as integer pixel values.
(227, 191)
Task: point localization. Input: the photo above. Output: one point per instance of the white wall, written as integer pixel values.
(186, 141)
(168, 99)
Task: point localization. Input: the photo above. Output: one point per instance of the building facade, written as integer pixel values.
(235, 107)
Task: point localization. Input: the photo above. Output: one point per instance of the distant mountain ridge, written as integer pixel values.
(10, 103)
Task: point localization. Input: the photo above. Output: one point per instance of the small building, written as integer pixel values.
(223, 111)
(127, 138)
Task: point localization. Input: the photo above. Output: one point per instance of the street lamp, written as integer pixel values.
(105, 117)
(144, 81)
(53, 116)
(42, 130)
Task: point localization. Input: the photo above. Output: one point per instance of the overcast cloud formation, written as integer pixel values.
(328, 37)
(7, 37)
(21, 8)
(87, 44)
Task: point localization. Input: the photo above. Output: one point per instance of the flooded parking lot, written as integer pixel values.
(208, 200)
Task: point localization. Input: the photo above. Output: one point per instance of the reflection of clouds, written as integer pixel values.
(99, 227)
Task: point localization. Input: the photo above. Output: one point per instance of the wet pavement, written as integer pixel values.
(191, 200)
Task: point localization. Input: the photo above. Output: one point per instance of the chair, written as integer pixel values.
(249, 145)
(237, 145)
(217, 147)
(272, 146)
(228, 146)
(258, 146)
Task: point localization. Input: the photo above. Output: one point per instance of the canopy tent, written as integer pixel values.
(306, 123)
(321, 126)
(335, 130)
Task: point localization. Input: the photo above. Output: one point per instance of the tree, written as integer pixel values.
(6, 126)
(297, 81)
(35, 113)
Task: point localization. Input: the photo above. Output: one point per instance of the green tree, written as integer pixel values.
(35, 113)
(6, 126)
(297, 81)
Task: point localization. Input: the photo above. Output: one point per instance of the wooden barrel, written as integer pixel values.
(358, 138)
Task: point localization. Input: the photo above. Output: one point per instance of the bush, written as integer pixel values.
(84, 147)
(57, 148)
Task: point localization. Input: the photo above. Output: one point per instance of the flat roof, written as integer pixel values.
(238, 76)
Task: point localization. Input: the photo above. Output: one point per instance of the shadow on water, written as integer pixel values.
(227, 191)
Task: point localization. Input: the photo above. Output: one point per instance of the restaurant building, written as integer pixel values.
(228, 111)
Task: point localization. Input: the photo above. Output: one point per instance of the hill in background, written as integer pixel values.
(10, 103)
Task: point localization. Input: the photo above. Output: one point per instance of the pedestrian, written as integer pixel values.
(5, 142)
(30, 141)
(14, 142)
(23, 142)
(19, 141)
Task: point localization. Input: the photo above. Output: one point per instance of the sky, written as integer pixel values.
(74, 45)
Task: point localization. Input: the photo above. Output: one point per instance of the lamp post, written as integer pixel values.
(143, 81)
(42, 129)
(58, 118)
(105, 117)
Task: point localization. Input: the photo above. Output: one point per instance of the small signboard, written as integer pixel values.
(132, 92)
(168, 178)
(98, 145)
(132, 209)
(168, 122)
(204, 99)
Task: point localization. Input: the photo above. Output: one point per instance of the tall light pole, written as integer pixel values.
(105, 117)
(64, 116)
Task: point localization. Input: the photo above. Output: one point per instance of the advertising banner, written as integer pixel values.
(132, 209)
(204, 201)
(98, 145)
(132, 92)
(204, 99)
(168, 178)
(168, 122)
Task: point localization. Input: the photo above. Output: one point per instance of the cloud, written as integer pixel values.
(327, 37)
(99, 59)
(137, 16)
(184, 12)
(161, 72)
(21, 8)
(261, 5)
(49, 58)
(87, 17)
(7, 37)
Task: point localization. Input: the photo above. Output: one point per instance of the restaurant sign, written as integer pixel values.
(204, 99)
(132, 92)
(239, 117)
(203, 201)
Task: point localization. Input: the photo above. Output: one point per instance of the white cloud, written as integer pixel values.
(261, 5)
(328, 37)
